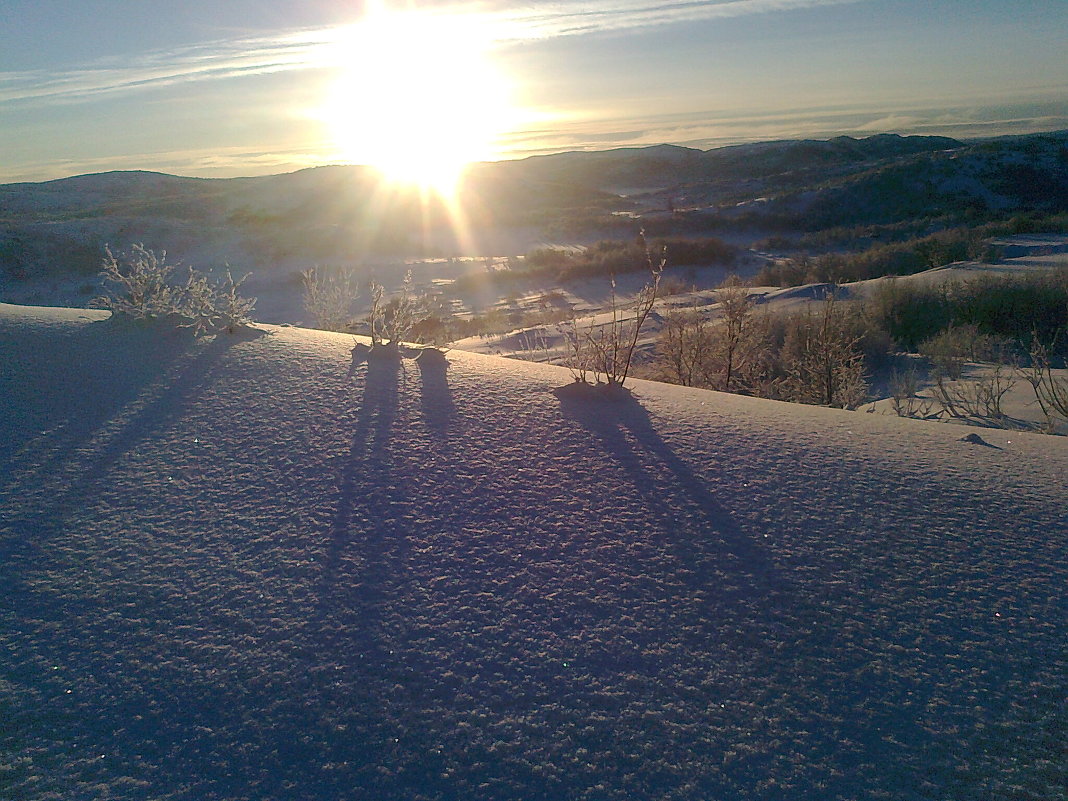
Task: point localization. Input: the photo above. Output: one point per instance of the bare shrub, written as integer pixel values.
(904, 386)
(533, 346)
(694, 350)
(581, 357)
(392, 321)
(822, 360)
(684, 347)
(608, 350)
(979, 399)
(328, 297)
(1051, 392)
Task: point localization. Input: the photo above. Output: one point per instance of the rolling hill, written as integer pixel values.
(345, 214)
(254, 566)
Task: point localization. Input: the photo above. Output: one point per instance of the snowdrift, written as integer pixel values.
(251, 566)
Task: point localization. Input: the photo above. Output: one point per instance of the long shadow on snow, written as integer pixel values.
(366, 533)
(61, 388)
(435, 398)
(667, 485)
(78, 470)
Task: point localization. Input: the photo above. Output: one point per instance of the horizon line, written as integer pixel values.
(547, 153)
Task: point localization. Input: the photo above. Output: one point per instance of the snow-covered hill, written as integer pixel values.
(251, 567)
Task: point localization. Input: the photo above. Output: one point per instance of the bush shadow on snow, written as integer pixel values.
(369, 533)
(111, 385)
(677, 499)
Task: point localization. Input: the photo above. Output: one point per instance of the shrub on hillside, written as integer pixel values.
(1016, 309)
(138, 285)
(684, 348)
(617, 257)
(1051, 390)
(608, 350)
(950, 348)
(328, 297)
(899, 258)
(822, 358)
(392, 321)
(910, 313)
(818, 356)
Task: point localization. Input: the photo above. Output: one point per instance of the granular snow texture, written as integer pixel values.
(252, 567)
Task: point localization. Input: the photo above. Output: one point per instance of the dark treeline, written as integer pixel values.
(1017, 309)
(910, 255)
(612, 257)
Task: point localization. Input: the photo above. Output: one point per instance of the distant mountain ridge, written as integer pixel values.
(657, 165)
(343, 214)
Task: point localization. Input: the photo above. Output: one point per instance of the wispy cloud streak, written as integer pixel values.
(208, 61)
(607, 16)
(319, 48)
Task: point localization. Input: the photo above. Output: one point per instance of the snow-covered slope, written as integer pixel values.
(248, 567)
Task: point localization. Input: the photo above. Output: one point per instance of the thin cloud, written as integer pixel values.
(570, 19)
(318, 48)
(208, 61)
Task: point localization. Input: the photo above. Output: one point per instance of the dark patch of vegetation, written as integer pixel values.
(30, 252)
(824, 357)
(902, 258)
(616, 257)
(869, 242)
(1022, 309)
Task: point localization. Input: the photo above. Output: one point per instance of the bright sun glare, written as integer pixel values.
(418, 98)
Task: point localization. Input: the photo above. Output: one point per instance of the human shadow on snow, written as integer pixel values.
(366, 536)
(436, 401)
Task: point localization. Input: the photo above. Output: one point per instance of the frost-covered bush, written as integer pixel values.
(393, 321)
(196, 304)
(328, 297)
(234, 310)
(138, 285)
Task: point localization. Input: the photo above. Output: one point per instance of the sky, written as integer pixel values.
(252, 87)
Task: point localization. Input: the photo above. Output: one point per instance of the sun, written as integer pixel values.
(417, 97)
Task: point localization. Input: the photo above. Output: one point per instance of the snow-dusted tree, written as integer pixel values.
(685, 347)
(735, 328)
